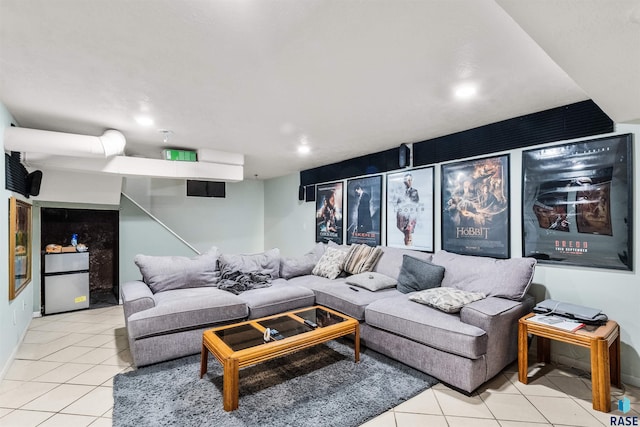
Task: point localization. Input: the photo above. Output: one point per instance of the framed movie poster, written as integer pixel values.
(577, 203)
(475, 207)
(329, 212)
(364, 205)
(410, 209)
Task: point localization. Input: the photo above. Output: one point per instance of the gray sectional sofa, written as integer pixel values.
(462, 340)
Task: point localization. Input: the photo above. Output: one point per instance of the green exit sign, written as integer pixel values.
(180, 155)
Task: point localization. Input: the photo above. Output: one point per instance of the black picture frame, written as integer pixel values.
(577, 203)
(476, 207)
(410, 209)
(329, 197)
(364, 210)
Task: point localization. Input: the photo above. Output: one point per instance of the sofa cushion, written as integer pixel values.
(281, 296)
(434, 328)
(299, 266)
(352, 302)
(390, 261)
(361, 258)
(266, 263)
(330, 264)
(450, 300)
(506, 278)
(163, 273)
(417, 275)
(185, 309)
(371, 281)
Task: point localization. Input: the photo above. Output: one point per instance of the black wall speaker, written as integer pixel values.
(34, 179)
(206, 188)
(310, 193)
(301, 192)
(404, 156)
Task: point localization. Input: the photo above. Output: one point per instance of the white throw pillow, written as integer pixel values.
(450, 300)
(330, 264)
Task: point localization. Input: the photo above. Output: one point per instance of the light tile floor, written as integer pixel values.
(63, 376)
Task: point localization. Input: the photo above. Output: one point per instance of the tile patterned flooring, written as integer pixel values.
(63, 376)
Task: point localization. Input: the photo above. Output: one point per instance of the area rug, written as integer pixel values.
(320, 386)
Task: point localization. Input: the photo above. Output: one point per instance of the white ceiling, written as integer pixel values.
(348, 76)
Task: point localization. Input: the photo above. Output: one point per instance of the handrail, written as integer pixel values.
(165, 226)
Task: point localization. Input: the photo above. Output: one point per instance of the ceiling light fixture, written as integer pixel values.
(144, 120)
(304, 149)
(465, 91)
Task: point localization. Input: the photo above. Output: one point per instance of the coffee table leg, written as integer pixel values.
(204, 355)
(356, 343)
(230, 384)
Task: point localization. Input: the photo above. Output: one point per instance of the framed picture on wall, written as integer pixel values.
(19, 246)
(364, 206)
(410, 209)
(577, 203)
(329, 212)
(475, 207)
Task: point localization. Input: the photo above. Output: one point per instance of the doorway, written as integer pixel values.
(98, 230)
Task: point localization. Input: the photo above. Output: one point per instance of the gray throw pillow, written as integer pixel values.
(266, 263)
(449, 300)
(302, 265)
(372, 281)
(163, 273)
(416, 275)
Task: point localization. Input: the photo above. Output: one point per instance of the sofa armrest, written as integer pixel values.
(498, 317)
(136, 297)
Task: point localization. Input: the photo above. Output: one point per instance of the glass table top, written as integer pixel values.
(247, 335)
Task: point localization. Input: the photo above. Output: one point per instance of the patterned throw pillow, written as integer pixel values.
(450, 300)
(330, 264)
(361, 258)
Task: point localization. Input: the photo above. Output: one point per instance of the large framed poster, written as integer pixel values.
(329, 212)
(364, 205)
(410, 209)
(577, 203)
(475, 207)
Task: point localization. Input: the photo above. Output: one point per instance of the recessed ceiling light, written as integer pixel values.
(465, 91)
(144, 120)
(304, 149)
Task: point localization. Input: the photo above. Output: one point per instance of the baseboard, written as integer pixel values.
(585, 365)
(12, 357)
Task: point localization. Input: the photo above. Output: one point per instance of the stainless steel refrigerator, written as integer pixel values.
(66, 282)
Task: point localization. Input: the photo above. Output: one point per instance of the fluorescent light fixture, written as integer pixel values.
(465, 91)
(144, 120)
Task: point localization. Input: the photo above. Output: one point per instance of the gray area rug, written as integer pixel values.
(320, 386)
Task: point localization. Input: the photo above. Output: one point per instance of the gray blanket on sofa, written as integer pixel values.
(237, 282)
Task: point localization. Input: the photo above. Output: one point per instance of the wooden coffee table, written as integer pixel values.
(242, 344)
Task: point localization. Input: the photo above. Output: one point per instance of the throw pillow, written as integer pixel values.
(416, 275)
(163, 273)
(449, 300)
(331, 263)
(372, 281)
(361, 258)
(265, 263)
(302, 265)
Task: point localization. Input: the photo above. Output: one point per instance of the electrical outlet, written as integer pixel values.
(24, 305)
(15, 322)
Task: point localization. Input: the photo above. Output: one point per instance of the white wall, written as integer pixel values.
(234, 224)
(15, 315)
(289, 224)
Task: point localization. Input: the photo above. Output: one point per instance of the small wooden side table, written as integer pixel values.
(604, 344)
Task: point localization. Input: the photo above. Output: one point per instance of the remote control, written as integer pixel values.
(310, 324)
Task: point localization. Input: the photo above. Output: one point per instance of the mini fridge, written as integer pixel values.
(66, 282)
